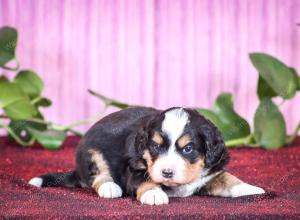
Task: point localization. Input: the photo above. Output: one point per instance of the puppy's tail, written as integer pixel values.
(66, 179)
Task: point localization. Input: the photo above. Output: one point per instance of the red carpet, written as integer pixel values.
(276, 171)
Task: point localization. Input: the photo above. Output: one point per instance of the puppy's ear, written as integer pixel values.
(141, 140)
(135, 153)
(143, 135)
(216, 155)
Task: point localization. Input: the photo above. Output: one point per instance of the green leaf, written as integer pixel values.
(50, 139)
(296, 78)
(3, 79)
(43, 102)
(15, 102)
(9, 92)
(211, 116)
(264, 90)
(20, 128)
(269, 125)
(20, 110)
(30, 83)
(232, 125)
(8, 42)
(276, 74)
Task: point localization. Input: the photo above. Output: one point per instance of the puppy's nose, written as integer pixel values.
(167, 173)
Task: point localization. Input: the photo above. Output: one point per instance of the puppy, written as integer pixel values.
(152, 155)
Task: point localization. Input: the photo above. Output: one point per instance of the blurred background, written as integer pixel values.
(159, 53)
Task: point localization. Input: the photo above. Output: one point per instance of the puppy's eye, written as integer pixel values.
(187, 149)
(156, 146)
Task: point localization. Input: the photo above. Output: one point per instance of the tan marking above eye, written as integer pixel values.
(157, 138)
(184, 140)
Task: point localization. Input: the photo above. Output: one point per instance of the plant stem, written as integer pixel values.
(12, 69)
(109, 101)
(87, 120)
(291, 138)
(37, 120)
(239, 141)
(34, 101)
(77, 133)
(67, 127)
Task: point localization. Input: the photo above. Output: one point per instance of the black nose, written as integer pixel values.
(167, 173)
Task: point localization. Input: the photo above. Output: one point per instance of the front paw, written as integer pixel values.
(110, 190)
(154, 196)
(245, 189)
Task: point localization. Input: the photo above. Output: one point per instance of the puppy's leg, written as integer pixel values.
(227, 185)
(151, 193)
(102, 182)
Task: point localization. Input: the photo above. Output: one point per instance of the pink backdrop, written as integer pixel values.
(158, 53)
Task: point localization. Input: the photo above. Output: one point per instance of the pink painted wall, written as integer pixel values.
(158, 53)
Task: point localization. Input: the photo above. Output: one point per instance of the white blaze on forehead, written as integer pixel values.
(174, 122)
(173, 126)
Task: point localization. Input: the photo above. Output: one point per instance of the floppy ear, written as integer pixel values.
(143, 135)
(141, 140)
(216, 155)
(137, 144)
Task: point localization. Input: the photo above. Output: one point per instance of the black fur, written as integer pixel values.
(67, 179)
(123, 136)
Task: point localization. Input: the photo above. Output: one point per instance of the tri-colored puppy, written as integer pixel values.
(152, 155)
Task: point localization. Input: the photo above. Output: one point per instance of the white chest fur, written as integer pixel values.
(189, 189)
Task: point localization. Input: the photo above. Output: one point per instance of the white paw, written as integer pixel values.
(244, 189)
(36, 181)
(154, 197)
(110, 190)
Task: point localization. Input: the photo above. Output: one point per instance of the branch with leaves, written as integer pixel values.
(22, 97)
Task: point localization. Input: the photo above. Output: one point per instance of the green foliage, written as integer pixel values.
(231, 125)
(30, 83)
(15, 103)
(269, 125)
(21, 129)
(43, 102)
(8, 42)
(213, 117)
(264, 90)
(279, 77)
(275, 79)
(22, 97)
(50, 139)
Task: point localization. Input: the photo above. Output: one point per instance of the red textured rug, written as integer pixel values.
(276, 171)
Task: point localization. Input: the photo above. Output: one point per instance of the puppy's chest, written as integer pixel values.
(182, 191)
(189, 189)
